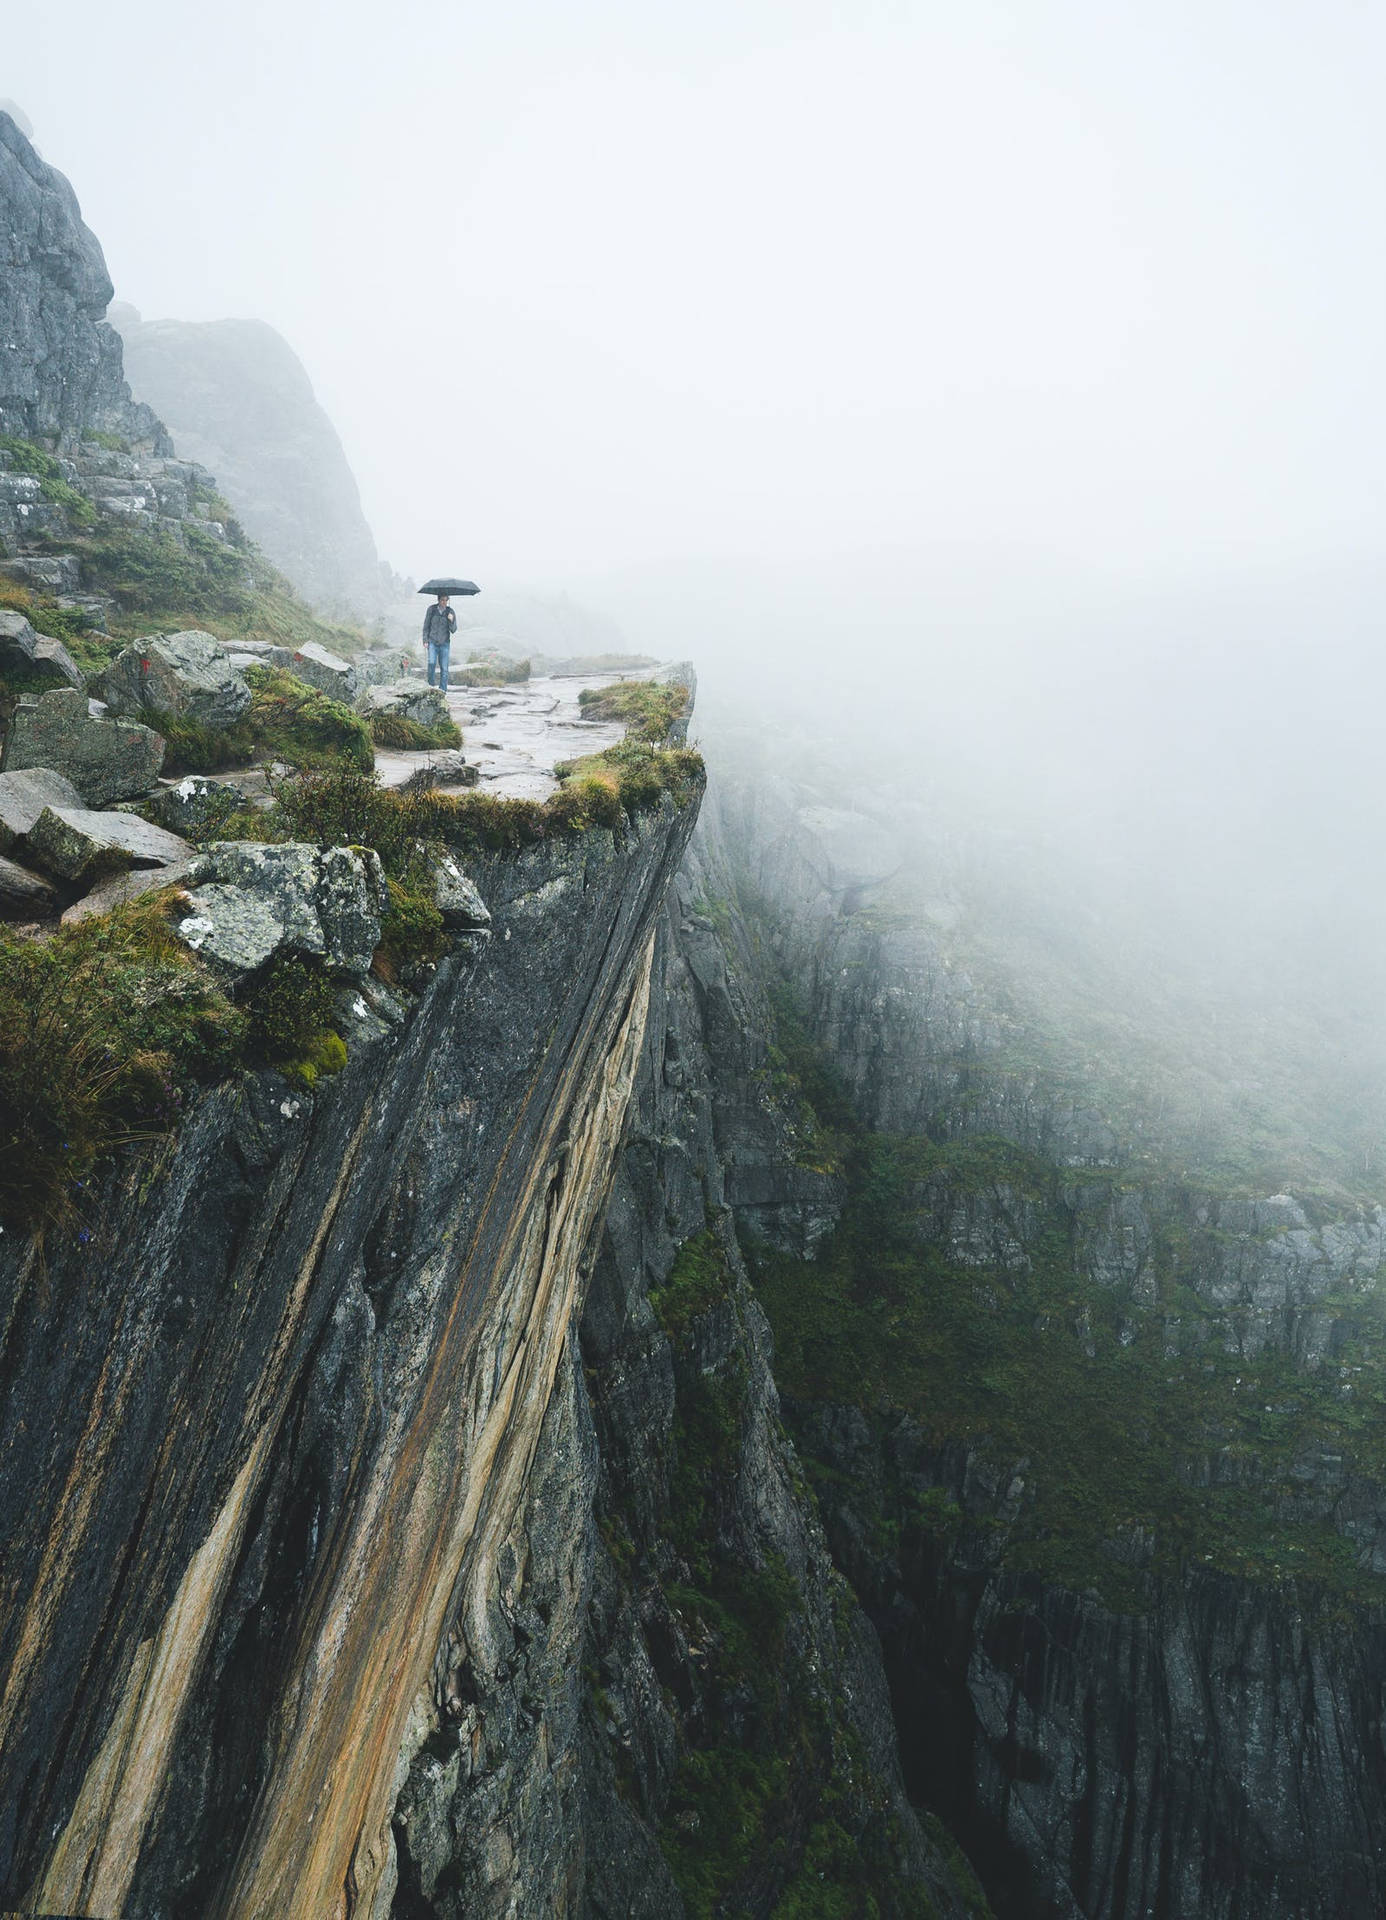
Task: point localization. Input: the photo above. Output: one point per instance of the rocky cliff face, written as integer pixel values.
(237, 400)
(274, 1415)
(60, 365)
(1106, 1482)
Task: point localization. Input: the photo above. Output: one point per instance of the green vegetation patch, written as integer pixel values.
(649, 709)
(1037, 1362)
(699, 1280)
(25, 457)
(399, 731)
(291, 1008)
(103, 1028)
(348, 807)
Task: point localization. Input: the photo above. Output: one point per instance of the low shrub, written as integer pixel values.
(491, 670)
(102, 1030)
(306, 728)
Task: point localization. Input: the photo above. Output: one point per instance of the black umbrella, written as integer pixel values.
(449, 586)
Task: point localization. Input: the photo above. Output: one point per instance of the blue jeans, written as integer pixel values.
(438, 658)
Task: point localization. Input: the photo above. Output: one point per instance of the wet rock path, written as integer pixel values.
(516, 735)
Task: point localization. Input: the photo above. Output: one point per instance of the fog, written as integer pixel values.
(993, 388)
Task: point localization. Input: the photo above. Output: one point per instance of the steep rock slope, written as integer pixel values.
(237, 400)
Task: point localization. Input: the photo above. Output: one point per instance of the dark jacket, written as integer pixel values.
(440, 624)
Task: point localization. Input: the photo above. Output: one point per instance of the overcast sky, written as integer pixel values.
(1020, 362)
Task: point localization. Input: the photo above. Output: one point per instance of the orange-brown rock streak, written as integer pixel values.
(425, 1530)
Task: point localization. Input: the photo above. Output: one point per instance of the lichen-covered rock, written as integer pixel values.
(250, 903)
(23, 649)
(326, 671)
(186, 674)
(411, 699)
(461, 906)
(23, 797)
(78, 844)
(104, 759)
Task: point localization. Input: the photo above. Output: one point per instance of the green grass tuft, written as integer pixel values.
(650, 709)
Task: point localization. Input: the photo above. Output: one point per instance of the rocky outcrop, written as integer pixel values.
(60, 366)
(236, 399)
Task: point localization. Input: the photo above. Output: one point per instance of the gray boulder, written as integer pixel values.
(251, 903)
(22, 650)
(326, 671)
(188, 674)
(411, 699)
(104, 759)
(75, 843)
(121, 888)
(23, 894)
(461, 906)
(23, 797)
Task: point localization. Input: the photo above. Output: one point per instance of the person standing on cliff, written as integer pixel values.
(440, 624)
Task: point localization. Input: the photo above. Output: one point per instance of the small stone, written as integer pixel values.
(326, 671)
(21, 650)
(75, 843)
(187, 674)
(104, 759)
(461, 906)
(446, 769)
(23, 797)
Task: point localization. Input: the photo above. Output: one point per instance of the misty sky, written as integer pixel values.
(589, 290)
(1013, 370)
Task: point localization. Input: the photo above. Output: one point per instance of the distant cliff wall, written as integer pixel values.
(237, 399)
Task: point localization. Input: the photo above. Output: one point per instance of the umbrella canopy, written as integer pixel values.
(449, 586)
